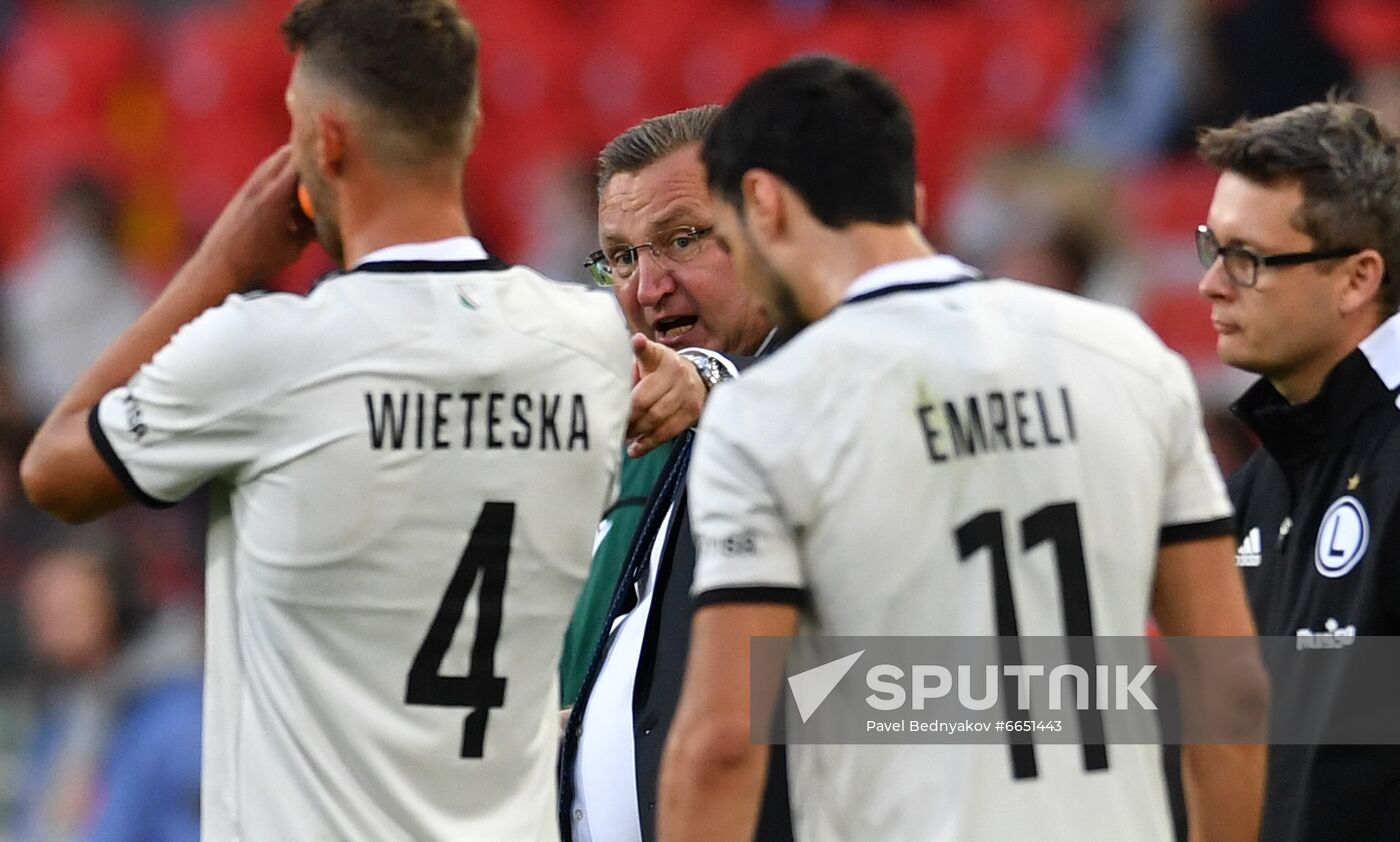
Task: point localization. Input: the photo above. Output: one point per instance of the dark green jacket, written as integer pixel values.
(638, 477)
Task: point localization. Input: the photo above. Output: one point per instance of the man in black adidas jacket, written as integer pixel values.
(1301, 234)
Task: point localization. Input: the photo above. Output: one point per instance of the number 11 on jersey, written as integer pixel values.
(480, 689)
(1058, 525)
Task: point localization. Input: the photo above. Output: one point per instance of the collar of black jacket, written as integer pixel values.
(1297, 432)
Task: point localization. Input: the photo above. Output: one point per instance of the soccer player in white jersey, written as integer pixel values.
(830, 487)
(407, 465)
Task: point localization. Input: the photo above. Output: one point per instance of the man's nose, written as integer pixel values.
(1215, 283)
(654, 278)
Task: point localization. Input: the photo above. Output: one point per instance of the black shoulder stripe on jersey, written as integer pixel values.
(109, 455)
(490, 264)
(780, 595)
(910, 287)
(1180, 533)
(255, 294)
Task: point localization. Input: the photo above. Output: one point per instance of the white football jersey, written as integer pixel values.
(407, 467)
(874, 468)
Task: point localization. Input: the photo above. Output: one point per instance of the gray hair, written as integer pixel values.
(653, 139)
(1347, 164)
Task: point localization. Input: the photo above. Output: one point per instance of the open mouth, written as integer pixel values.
(671, 328)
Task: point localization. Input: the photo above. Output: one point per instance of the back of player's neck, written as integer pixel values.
(869, 246)
(408, 222)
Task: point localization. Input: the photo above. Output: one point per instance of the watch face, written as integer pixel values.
(710, 371)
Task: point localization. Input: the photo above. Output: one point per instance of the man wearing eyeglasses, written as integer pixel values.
(695, 325)
(1301, 233)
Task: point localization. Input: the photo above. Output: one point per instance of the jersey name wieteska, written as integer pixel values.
(480, 420)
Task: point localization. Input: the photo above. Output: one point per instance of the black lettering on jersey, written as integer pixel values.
(493, 420)
(387, 421)
(439, 420)
(1018, 398)
(134, 420)
(931, 432)
(578, 423)
(430, 415)
(962, 421)
(996, 417)
(1069, 413)
(1050, 438)
(421, 401)
(970, 436)
(740, 544)
(549, 410)
(520, 439)
(469, 400)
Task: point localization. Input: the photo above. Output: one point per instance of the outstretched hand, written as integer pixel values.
(261, 231)
(667, 398)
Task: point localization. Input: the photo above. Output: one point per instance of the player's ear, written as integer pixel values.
(1363, 275)
(920, 205)
(330, 142)
(473, 130)
(765, 204)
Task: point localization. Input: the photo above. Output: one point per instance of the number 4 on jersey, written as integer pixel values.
(480, 689)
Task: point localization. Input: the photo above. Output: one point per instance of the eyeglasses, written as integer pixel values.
(619, 263)
(1241, 264)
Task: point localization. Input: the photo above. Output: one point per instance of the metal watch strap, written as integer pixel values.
(711, 371)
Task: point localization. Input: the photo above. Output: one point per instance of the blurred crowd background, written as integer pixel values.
(1055, 139)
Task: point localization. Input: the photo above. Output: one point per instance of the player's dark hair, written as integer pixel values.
(1347, 164)
(838, 133)
(653, 139)
(414, 60)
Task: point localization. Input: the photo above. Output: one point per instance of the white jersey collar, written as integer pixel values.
(1382, 350)
(450, 249)
(938, 268)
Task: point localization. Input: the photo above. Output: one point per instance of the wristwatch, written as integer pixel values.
(712, 372)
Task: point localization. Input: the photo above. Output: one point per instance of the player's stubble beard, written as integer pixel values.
(327, 220)
(772, 288)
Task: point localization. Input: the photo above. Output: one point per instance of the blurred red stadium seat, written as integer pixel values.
(631, 63)
(63, 73)
(718, 58)
(1168, 200)
(1031, 52)
(224, 72)
(852, 34)
(933, 56)
(530, 59)
(1366, 31)
(715, 62)
(1162, 206)
(1181, 316)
